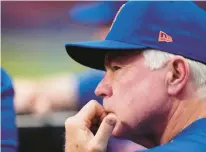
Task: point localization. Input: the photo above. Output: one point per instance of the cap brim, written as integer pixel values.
(92, 53)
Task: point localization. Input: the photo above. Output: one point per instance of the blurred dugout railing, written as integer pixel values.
(42, 134)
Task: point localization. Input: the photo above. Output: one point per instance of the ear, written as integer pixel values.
(177, 76)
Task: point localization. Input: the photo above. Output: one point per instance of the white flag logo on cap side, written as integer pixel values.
(116, 15)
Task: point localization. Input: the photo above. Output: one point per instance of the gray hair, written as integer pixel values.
(156, 59)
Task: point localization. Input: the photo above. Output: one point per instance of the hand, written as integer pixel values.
(79, 137)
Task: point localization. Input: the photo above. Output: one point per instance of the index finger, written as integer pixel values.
(91, 110)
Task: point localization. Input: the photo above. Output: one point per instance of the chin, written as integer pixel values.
(119, 130)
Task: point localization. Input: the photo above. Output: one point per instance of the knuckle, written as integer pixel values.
(93, 102)
(69, 122)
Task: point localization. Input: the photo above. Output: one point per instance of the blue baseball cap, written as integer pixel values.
(174, 27)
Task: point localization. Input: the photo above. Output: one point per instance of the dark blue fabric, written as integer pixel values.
(184, 21)
(88, 82)
(138, 26)
(8, 118)
(191, 139)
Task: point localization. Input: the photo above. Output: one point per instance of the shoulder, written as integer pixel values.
(191, 139)
(9, 129)
(6, 84)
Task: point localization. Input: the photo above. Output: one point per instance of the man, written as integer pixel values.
(8, 119)
(155, 82)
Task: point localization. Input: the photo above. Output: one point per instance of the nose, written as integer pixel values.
(104, 88)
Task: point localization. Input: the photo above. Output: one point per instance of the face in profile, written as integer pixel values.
(132, 91)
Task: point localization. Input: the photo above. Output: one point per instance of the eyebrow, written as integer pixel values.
(114, 56)
(110, 58)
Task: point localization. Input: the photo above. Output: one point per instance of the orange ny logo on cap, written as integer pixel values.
(163, 37)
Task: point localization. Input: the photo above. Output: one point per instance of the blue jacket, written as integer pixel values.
(191, 139)
(8, 118)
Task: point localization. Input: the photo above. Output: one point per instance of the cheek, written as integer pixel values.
(137, 98)
(125, 101)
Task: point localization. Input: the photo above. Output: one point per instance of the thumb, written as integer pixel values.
(105, 131)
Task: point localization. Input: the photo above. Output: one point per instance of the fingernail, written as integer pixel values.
(111, 122)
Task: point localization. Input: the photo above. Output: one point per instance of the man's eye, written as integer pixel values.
(115, 68)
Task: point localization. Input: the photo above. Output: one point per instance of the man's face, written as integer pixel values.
(132, 91)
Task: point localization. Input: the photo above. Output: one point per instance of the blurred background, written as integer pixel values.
(33, 38)
(33, 35)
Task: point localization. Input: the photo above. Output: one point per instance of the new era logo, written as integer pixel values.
(163, 37)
